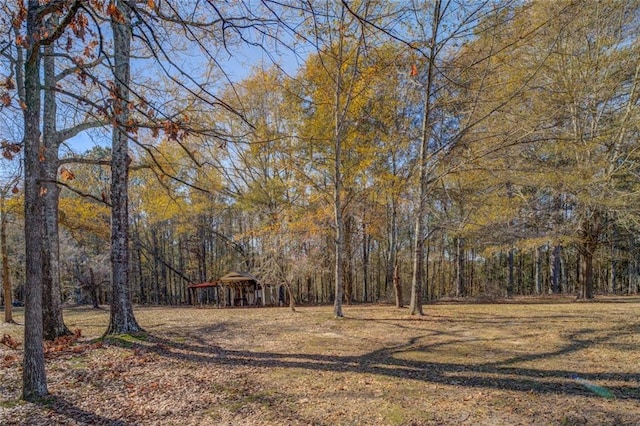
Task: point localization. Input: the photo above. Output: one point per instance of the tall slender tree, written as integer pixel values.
(53, 323)
(417, 283)
(122, 319)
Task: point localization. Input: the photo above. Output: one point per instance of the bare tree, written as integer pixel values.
(122, 319)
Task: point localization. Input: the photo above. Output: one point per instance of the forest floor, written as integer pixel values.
(526, 362)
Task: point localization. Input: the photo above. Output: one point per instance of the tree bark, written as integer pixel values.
(366, 240)
(6, 279)
(348, 258)
(122, 319)
(393, 251)
(588, 270)
(591, 228)
(415, 307)
(53, 322)
(34, 377)
(338, 125)
(460, 279)
(510, 278)
(397, 286)
(555, 270)
(417, 283)
(537, 265)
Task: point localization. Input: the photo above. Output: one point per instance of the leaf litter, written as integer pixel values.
(516, 363)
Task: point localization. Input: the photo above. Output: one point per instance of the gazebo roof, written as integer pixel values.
(204, 285)
(236, 277)
(231, 278)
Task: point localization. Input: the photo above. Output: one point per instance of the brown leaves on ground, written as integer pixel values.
(9, 341)
(460, 364)
(69, 344)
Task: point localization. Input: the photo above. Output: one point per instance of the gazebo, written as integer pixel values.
(234, 289)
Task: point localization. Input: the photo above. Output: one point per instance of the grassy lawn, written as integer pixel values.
(525, 362)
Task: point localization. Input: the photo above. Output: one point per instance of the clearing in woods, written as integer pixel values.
(524, 362)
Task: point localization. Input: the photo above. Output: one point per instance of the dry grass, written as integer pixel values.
(490, 364)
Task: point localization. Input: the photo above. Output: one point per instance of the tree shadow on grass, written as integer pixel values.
(61, 406)
(395, 362)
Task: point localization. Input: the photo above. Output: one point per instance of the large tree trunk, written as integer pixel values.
(34, 377)
(53, 323)
(122, 320)
(591, 228)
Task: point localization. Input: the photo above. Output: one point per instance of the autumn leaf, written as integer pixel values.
(97, 4)
(5, 99)
(15, 190)
(67, 174)
(9, 150)
(115, 14)
(9, 83)
(9, 341)
(414, 70)
(151, 4)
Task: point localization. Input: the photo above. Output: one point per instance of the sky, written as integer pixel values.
(237, 64)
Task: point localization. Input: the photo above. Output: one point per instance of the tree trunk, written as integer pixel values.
(460, 287)
(338, 132)
(393, 251)
(397, 286)
(537, 265)
(122, 320)
(348, 254)
(6, 279)
(417, 283)
(366, 240)
(510, 279)
(34, 377)
(339, 242)
(555, 270)
(588, 271)
(53, 322)
(93, 289)
(591, 228)
(613, 276)
(292, 299)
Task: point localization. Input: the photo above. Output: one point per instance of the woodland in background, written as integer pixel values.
(532, 167)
